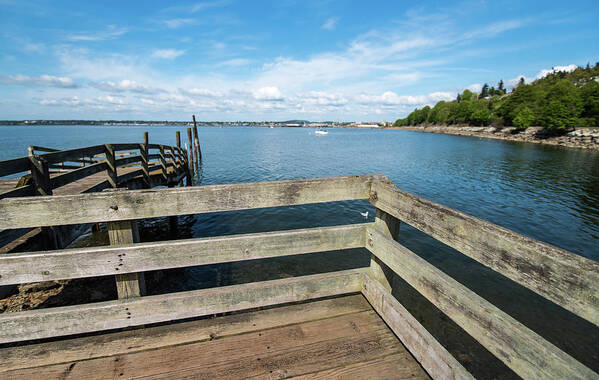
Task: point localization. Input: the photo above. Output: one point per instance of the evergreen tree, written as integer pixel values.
(484, 91)
(524, 119)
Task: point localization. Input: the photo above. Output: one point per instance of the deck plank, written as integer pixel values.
(396, 366)
(70, 350)
(337, 335)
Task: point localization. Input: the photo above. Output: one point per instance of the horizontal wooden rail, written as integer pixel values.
(521, 349)
(431, 355)
(127, 160)
(72, 154)
(77, 174)
(68, 320)
(13, 166)
(126, 146)
(139, 204)
(569, 280)
(99, 261)
(22, 191)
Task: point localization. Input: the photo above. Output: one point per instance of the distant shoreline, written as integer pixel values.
(582, 138)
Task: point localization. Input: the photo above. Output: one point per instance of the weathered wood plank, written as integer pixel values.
(388, 226)
(126, 146)
(396, 366)
(45, 323)
(20, 268)
(131, 284)
(220, 354)
(110, 344)
(74, 175)
(521, 349)
(138, 204)
(13, 166)
(295, 360)
(128, 160)
(23, 191)
(72, 154)
(569, 280)
(433, 357)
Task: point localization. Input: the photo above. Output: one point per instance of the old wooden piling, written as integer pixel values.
(196, 141)
(145, 160)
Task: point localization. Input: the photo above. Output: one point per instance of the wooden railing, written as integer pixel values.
(566, 279)
(75, 164)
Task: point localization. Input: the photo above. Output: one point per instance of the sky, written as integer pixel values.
(326, 60)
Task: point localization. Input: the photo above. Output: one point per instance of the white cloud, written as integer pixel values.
(111, 32)
(43, 80)
(330, 23)
(390, 98)
(236, 62)
(544, 73)
(475, 87)
(178, 22)
(268, 93)
(124, 85)
(167, 53)
(202, 92)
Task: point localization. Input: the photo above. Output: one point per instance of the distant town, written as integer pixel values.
(289, 123)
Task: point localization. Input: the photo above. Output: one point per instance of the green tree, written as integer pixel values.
(564, 106)
(484, 91)
(524, 119)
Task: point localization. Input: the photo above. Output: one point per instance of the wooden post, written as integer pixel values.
(196, 141)
(143, 149)
(173, 222)
(389, 226)
(179, 151)
(191, 159)
(40, 173)
(125, 232)
(163, 163)
(111, 162)
(188, 169)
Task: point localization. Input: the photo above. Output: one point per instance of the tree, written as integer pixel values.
(564, 106)
(484, 91)
(500, 88)
(524, 119)
(521, 82)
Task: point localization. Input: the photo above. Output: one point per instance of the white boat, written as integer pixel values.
(321, 132)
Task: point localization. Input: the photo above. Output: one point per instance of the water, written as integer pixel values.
(548, 193)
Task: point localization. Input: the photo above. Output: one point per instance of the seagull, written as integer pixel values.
(364, 214)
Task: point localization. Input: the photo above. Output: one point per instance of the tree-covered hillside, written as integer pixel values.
(557, 102)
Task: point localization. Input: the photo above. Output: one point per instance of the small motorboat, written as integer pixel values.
(321, 132)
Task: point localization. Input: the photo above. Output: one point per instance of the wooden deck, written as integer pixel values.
(333, 338)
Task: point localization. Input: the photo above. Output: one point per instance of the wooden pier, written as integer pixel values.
(342, 324)
(85, 170)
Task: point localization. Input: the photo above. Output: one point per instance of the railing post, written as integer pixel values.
(40, 173)
(111, 162)
(163, 163)
(143, 149)
(389, 226)
(120, 233)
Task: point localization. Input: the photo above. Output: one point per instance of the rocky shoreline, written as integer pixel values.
(582, 138)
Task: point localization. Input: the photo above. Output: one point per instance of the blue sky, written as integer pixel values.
(275, 60)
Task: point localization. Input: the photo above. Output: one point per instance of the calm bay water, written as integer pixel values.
(548, 193)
